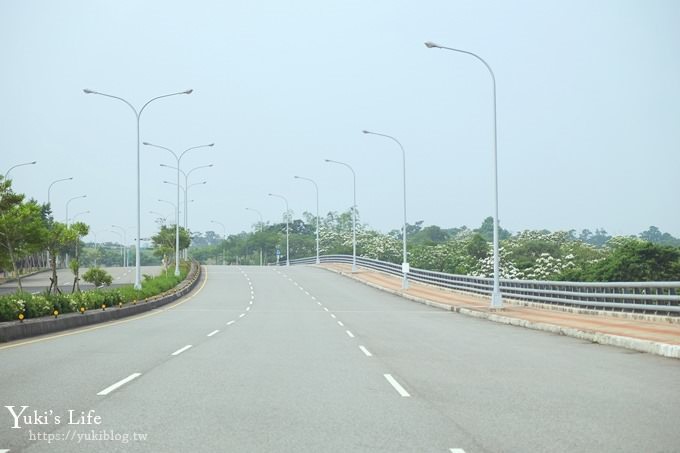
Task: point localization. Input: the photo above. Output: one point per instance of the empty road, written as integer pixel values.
(300, 359)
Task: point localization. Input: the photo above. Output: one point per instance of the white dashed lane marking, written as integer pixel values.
(393, 382)
(181, 350)
(120, 383)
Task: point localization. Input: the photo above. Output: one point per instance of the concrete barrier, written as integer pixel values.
(16, 330)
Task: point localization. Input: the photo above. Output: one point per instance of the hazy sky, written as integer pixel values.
(588, 109)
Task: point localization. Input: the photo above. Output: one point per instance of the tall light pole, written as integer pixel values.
(186, 184)
(138, 114)
(317, 213)
(404, 264)
(19, 165)
(178, 158)
(69, 202)
(49, 189)
(287, 213)
(224, 237)
(185, 190)
(125, 253)
(174, 206)
(72, 219)
(261, 227)
(354, 213)
(496, 297)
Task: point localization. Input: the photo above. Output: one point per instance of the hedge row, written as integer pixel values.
(37, 305)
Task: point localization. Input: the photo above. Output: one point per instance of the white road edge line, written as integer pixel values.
(365, 351)
(213, 333)
(120, 383)
(181, 350)
(350, 334)
(230, 323)
(396, 385)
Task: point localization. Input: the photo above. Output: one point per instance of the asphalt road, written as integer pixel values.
(40, 282)
(303, 360)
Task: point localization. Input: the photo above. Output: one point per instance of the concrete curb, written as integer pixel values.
(16, 330)
(636, 344)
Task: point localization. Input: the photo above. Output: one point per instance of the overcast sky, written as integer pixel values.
(588, 109)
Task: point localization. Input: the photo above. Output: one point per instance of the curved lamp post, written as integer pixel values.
(186, 184)
(317, 213)
(49, 189)
(261, 227)
(178, 158)
(404, 263)
(224, 230)
(19, 165)
(138, 115)
(354, 213)
(496, 297)
(69, 202)
(287, 212)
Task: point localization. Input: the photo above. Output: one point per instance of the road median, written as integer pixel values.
(16, 330)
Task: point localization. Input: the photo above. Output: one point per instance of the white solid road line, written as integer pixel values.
(213, 333)
(120, 383)
(181, 350)
(456, 450)
(396, 385)
(365, 351)
(341, 324)
(230, 323)
(350, 334)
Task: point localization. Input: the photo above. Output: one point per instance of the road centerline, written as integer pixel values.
(393, 382)
(118, 384)
(181, 350)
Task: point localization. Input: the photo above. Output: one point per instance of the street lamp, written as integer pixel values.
(354, 213)
(72, 219)
(224, 237)
(317, 213)
(186, 193)
(287, 212)
(178, 159)
(68, 202)
(49, 189)
(19, 165)
(125, 257)
(404, 263)
(261, 227)
(138, 114)
(496, 297)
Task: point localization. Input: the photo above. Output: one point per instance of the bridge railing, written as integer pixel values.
(641, 297)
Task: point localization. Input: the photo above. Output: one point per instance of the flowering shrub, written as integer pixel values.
(36, 305)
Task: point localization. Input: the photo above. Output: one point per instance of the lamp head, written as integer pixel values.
(430, 45)
(87, 91)
(189, 91)
(34, 162)
(146, 143)
(366, 132)
(296, 177)
(212, 144)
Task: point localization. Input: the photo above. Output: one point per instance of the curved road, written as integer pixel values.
(304, 360)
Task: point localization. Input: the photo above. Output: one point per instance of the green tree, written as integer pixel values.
(21, 230)
(98, 277)
(164, 241)
(57, 238)
(633, 260)
(486, 230)
(79, 229)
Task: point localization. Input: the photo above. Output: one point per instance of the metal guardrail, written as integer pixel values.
(642, 297)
